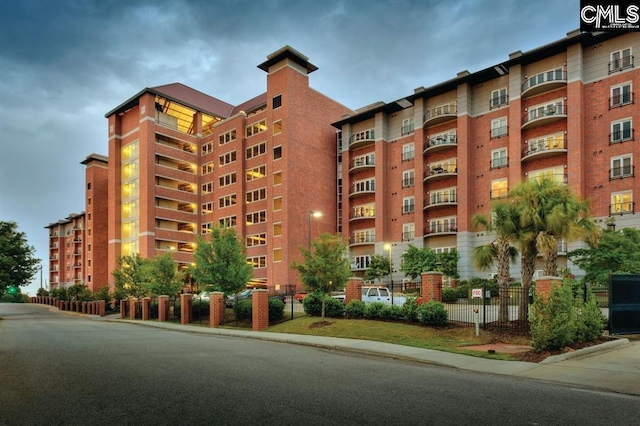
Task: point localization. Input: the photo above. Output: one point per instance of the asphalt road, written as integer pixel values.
(57, 369)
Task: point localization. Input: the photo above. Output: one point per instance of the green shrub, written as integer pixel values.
(243, 309)
(312, 305)
(392, 313)
(355, 309)
(410, 309)
(374, 310)
(333, 308)
(276, 310)
(590, 322)
(553, 321)
(432, 313)
(200, 308)
(449, 295)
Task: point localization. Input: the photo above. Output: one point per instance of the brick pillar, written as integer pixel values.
(544, 285)
(146, 308)
(78, 306)
(186, 299)
(132, 307)
(102, 304)
(216, 309)
(84, 307)
(123, 308)
(353, 290)
(432, 286)
(163, 308)
(259, 309)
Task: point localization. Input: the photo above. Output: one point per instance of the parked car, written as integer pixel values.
(300, 296)
(372, 294)
(338, 295)
(204, 296)
(246, 294)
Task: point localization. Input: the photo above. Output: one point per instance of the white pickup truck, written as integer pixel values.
(372, 294)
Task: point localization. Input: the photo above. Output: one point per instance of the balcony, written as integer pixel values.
(621, 63)
(362, 213)
(544, 82)
(622, 208)
(439, 200)
(364, 138)
(439, 143)
(362, 163)
(362, 188)
(176, 144)
(436, 172)
(440, 114)
(358, 240)
(440, 229)
(539, 116)
(543, 148)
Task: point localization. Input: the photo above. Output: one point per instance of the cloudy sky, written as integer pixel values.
(65, 63)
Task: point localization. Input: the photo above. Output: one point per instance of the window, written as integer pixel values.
(621, 131)
(89, 201)
(277, 102)
(257, 261)
(408, 152)
(545, 110)
(556, 74)
(443, 224)
(227, 137)
(256, 240)
(207, 188)
(277, 203)
(206, 228)
(499, 127)
(256, 173)
(227, 222)
(207, 168)
(408, 178)
(256, 217)
(277, 255)
(499, 158)
(277, 152)
(621, 59)
(499, 188)
(407, 126)
(361, 262)
(364, 236)
(368, 185)
(277, 229)
(207, 148)
(444, 196)
(227, 201)
(256, 195)
(227, 180)
(227, 158)
(206, 208)
(408, 205)
(364, 211)
(621, 95)
(446, 166)
(255, 128)
(621, 167)
(408, 231)
(277, 127)
(277, 178)
(88, 186)
(254, 151)
(542, 143)
(554, 173)
(364, 160)
(498, 98)
(622, 203)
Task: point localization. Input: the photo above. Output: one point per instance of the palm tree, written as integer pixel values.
(504, 224)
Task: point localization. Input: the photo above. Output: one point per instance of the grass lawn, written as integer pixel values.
(452, 338)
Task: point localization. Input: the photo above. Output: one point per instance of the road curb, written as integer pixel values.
(586, 351)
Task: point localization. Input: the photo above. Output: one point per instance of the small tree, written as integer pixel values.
(132, 276)
(17, 264)
(447, 263)
(220, 264)
(379, 267)
(416, 260)
(325, 267)
(163, 276)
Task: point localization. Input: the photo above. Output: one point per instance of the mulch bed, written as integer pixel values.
(533, 356)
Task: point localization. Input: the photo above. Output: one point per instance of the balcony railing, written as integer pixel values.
(440, 171)
(408, 183)
(543, 115)
(408, 209)
(621, 172)
(544, 81)
(431, 143)
(621, 64)
(498, 163)
(544, 145)
(362, 162)
(440, 114)
(362, 239)
(440, 199)
(499, 101)
(622, 208)
(367, 188)
(362, 138)
(362, 213)
(495, 194)
(620, 100)
(408, 155)
(408, 236)
(621, 136)
(498, 132)
(440, 229)
(407, 129)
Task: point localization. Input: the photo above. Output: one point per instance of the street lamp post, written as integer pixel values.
(312, 214)
(389, 247)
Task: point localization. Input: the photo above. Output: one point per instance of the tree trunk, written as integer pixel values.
(323, 297)
(503, 281)
(528, 268)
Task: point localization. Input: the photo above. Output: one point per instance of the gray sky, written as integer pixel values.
(65, 63)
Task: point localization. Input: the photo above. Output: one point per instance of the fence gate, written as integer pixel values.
(624, 304)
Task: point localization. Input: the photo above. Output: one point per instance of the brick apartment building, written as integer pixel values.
(413, 171)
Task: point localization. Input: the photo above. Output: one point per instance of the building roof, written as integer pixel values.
(95, 157)
(251, 104)
(287, 52)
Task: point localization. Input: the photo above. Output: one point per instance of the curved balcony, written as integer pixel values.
(432, 173)
(361, 240)
(544, 148)
(362, 163)
(439, 143)
(440, 200)
(543, 115)
(361, 214)
(362, 189)
(440, 114)
(364, 138)
(433, 231)
(544, 82)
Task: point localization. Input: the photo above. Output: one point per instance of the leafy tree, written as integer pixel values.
(416, 260)
(616, 252)
(325, 267)
(447, 263)
(17, 264)
(220, 264)
(163, 276)
(504, 225)
(132, 276)
(79, 292)
(380, 266)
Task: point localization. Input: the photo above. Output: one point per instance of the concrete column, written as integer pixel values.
(432, 286)
(259, 309)
(186, 299)
(163, 308)
(353, 290)
(216, 309)
(544, 285)
(146, 308)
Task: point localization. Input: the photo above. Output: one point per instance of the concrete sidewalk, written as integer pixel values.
(613, 366)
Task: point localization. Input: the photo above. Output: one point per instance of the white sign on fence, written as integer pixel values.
(476, 292)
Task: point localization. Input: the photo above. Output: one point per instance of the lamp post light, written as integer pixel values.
(389, 247)
(312, 214)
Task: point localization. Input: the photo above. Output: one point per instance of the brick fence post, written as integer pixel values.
(186, 299)
(432, 286)
(545, 284)
(102, 304)
(353, 290)
(259, 309)
(146, 308)
(216, 309)
(132, 307)
(163, 308)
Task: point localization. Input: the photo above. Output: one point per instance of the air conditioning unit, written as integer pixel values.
(550, 110)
